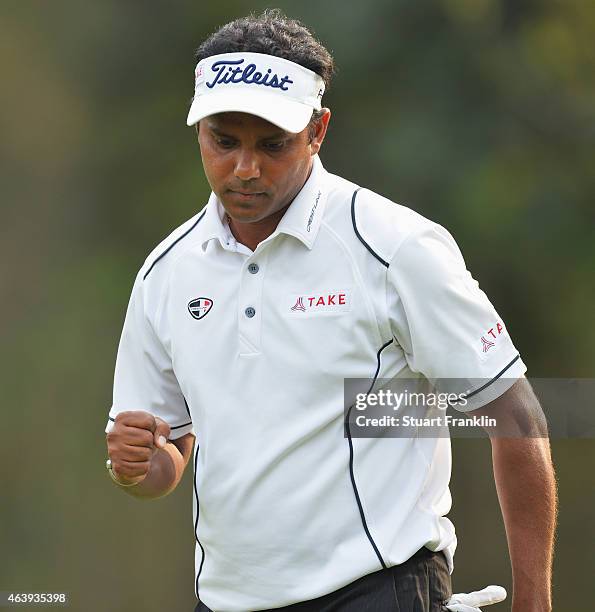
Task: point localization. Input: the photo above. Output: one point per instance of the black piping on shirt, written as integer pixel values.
(370, 249)
(351, 473)
(187, 409)
(173, 244)
(196, 519)
(480, 389)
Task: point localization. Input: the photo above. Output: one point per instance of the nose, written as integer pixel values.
(247, 165)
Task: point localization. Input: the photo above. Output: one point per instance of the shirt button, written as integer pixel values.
(249, 312)
(253, 268)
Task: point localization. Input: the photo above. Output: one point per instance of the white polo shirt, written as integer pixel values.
(250, 351)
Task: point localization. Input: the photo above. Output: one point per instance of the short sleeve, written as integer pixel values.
(144, 378)
(445, 323)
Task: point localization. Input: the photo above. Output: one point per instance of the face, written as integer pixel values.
(254, 167)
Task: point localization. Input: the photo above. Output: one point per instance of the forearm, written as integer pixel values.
(167, 467)
(526, 486)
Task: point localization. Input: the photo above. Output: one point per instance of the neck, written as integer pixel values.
(252, 234)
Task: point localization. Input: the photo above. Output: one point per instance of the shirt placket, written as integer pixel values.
(250, 307)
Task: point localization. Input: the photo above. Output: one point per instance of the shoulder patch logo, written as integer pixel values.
(200, 307)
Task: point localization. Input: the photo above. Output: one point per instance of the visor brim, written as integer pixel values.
(285, 113)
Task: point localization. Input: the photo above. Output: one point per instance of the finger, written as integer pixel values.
(135, 453)
(136, 418)
(131, 469)
(135, 436)
(161, 433)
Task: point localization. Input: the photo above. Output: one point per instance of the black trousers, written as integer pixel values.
(421, 584)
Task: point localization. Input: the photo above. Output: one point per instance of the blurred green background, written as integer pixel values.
(477, 113)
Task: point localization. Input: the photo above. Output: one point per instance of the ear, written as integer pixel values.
(321, 127)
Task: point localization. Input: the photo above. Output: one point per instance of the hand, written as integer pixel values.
(134, 439)
(469, 602)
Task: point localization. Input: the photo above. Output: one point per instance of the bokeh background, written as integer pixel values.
(477, 113)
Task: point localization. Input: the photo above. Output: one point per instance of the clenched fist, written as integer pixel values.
(134, 439)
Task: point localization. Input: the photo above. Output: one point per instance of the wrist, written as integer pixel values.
(123, 481)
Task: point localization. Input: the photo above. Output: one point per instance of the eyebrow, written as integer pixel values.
(273, 136)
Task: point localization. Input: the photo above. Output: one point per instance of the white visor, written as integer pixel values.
(270, 87)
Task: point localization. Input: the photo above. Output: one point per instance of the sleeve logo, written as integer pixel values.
(492, 334)
(487, 344)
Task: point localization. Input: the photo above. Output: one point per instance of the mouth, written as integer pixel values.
(246, 196)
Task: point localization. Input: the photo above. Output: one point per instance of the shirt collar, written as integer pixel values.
(214, 226)
(304, 216)
(301, 220)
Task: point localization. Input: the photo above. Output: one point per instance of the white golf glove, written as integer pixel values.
(470, 602)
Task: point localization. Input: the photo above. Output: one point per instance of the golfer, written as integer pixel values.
(244, 325)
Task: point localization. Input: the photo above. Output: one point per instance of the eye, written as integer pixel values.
(225, 143)
(274, 146)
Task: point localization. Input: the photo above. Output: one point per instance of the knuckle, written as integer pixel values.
(118, 467)
(144, 420)
(116, 438)
(161, 423)
(112, 439)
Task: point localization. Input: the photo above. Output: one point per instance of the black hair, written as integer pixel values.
(273, 33)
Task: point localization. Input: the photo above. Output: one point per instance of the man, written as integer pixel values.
(243, 326)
